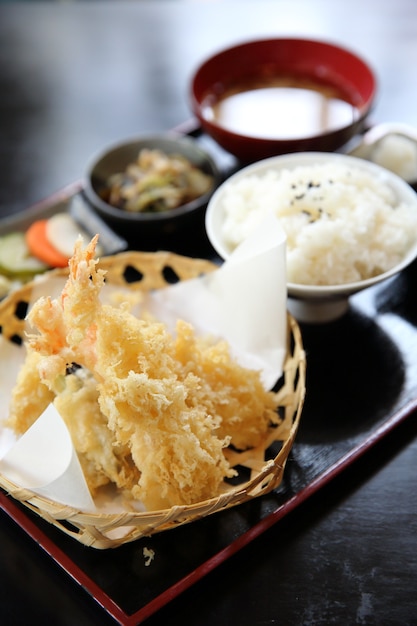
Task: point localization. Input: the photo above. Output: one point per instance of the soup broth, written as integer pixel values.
(281, 109)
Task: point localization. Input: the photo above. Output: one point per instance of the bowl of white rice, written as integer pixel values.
(349, 224)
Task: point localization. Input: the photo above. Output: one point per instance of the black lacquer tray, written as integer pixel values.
(361, 385)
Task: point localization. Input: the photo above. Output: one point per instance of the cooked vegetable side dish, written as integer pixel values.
(156, 182)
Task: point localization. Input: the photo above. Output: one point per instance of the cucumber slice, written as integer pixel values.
(16, 260)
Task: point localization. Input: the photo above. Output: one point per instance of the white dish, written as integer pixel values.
(391, 145)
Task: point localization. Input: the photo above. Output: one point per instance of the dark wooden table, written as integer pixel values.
(76, 76)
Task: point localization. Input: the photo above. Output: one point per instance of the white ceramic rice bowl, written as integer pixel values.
(313, 303)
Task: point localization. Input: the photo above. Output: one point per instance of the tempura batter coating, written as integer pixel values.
(103, 459)
(29, 397)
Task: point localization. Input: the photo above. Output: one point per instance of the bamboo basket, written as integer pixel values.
(263, 467)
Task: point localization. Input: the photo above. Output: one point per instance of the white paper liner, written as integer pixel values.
(243, 302)
(44, 461)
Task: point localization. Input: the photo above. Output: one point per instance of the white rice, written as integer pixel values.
(342, 224)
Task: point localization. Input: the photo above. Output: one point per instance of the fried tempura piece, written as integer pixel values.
(29, 397)
(147, 399)
(67, 326)
(235, 394)
(102, 458)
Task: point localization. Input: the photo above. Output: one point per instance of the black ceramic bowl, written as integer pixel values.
(117, 157)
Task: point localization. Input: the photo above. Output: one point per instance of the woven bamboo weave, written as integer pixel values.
(263, 468)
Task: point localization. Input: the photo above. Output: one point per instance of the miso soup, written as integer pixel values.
(281, 109)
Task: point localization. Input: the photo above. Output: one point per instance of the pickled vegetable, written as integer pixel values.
(16, 261)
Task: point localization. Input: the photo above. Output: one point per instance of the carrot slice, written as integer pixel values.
(39, 246)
